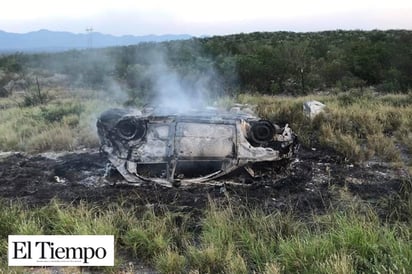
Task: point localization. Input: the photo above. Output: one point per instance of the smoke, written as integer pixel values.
(174, 92)
(178, 75)
(179, 88)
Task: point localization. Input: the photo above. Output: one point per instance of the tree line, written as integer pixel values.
(261, 62)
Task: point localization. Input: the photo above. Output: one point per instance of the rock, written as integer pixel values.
(313, 108)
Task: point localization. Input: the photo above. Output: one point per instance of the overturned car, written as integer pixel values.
(180, 148)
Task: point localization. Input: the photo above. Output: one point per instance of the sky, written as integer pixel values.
(211, 17)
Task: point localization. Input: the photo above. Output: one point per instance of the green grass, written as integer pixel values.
(66, 123)
(231, 240)
(360, 126)
(365, 244)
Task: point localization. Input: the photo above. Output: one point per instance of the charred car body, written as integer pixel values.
(182, 148)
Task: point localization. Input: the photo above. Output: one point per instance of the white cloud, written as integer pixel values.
(201, 17)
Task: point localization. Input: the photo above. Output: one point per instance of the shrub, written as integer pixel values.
(57, 112)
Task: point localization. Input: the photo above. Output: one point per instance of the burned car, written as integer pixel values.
(175, 148)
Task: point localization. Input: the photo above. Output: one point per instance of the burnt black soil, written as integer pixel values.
(317, 180)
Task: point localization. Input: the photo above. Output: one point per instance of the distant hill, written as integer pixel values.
(53, 41)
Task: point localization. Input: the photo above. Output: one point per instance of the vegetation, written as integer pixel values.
(359, 125)
(270, 63)
(65, 123)
(232, 239)
(362, 122)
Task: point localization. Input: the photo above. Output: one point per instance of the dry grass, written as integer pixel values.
(66, 123)
(56, 138)
(360, 126)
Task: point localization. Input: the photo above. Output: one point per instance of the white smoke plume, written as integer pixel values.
(176, 90)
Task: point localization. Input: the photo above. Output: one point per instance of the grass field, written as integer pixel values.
(360, 126)
(65, 123)
(229, 238)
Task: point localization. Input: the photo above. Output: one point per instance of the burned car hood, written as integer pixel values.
(181, 148)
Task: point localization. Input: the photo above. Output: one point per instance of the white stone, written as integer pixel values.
(313, 108)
